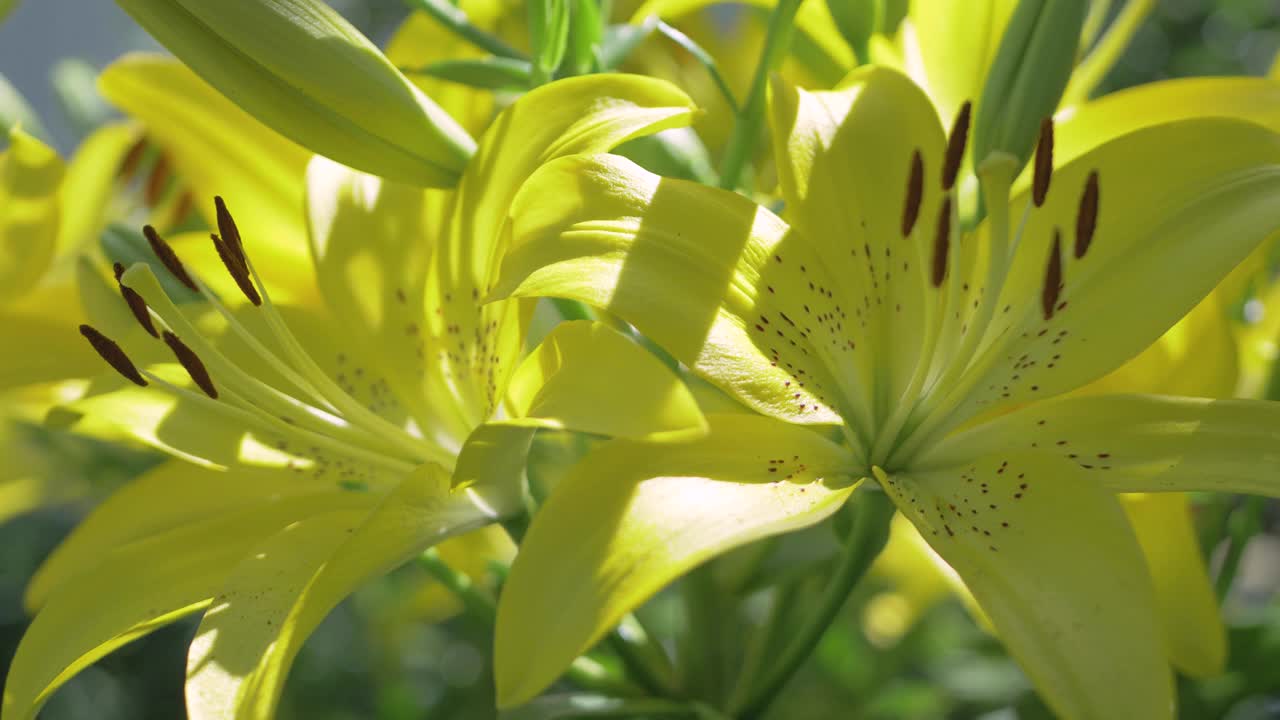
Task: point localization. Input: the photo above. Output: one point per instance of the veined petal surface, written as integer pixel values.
(631, 518)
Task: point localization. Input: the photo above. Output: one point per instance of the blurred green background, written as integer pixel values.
(370, 659)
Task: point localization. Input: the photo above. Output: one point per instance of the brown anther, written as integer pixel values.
(1052, 278)
(192, 363)
(238, 272)
(1044, 163)
(186, 202)
(915, 191)
(132, 159)
(942, 243)
(955, 146)
(115, 357)
(167, 256)
(157, 181)
(1087, 216)
(136, 304)
(229, 232)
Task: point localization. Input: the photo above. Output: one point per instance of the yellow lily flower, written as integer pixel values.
(936, 355)
(331, 445)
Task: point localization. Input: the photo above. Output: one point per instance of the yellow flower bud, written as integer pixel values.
(301, 69)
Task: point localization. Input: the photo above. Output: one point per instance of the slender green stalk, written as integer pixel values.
(703, 57)
(750, 118)
(1243, 523)
(455, 20)
(643, 658)
(481, 607)
(872, 512)
(702, 645)
(766, 639)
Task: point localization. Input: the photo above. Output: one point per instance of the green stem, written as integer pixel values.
(872, 513)
(766, 640)
(455, 20)
(643, 658)
(702, 644)
(747, 124)
(1243, 523)
(480, 607)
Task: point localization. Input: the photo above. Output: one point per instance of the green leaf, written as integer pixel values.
(548, 36)
(490, 73)
(632, 517)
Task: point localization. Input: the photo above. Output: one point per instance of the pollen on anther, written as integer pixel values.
(955, 146)
(191, 363)
(238, 270)
(915, 191)
(1043, 164)
(229, 232)
(136, 304)
(942, 243)
(1052, 278)
(109, 351)
(168, 257)
(1087, 215)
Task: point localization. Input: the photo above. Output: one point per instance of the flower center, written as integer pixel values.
(296, 408)
(961, 335)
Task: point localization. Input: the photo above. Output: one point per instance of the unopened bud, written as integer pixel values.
(301, 69)
(1028, 76)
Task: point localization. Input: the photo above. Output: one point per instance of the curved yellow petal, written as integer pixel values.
(244, 648)
(1082, 128)
(219, 150)
(91, 180)
(631, 518)
(844, 161)
(1050, 558)
(956, 42)
(1185, 600)
(719, 282)
(136, 588)
(1170, 226)
(477, 345)
(30, 207)
(588, 377)
(1142, 443)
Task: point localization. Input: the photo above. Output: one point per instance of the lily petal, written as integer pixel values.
(137, 588)
(1084, 632)
(1143, 443)
(219, 150)
(1175, 224)
(240, 658)
(628, 520)
(844, 162)
(478, 346)
(1189, 617)
(371, 242)
(165, 499)
(30, 180)
(956, 42)
(1080, 129)
(588, 377)
(719, 282)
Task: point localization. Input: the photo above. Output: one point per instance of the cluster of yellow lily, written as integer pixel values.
(326, 324)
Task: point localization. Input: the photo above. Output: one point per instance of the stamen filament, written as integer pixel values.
(249, 414)
(348, 406)
(233, 377)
